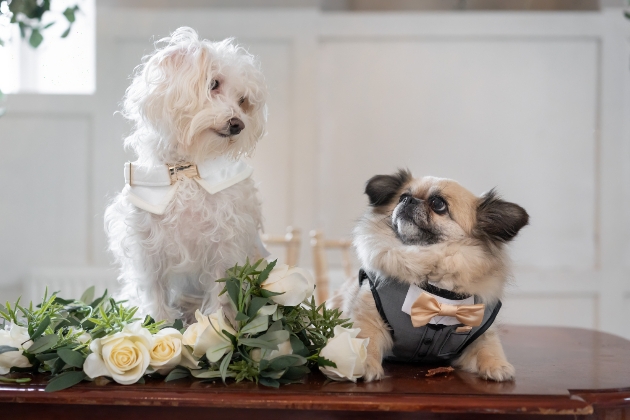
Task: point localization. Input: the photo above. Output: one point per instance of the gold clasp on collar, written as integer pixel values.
(186, 169)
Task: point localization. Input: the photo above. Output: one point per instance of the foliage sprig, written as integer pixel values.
(61, 331)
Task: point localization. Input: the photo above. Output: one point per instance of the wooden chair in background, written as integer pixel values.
(291, 241)
(319, 246)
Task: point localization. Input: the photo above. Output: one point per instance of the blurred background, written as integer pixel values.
(528, 96)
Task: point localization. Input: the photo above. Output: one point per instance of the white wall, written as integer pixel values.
(532, 103)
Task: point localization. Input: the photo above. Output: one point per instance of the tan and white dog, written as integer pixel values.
(421, 230)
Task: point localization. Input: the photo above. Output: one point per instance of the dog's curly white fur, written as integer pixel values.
(432, 229)
(184, 101)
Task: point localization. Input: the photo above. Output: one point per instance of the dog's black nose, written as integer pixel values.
(236, 126)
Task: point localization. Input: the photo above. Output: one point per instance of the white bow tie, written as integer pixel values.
(152, 188)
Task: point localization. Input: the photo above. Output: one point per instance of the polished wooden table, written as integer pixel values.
(561, 373)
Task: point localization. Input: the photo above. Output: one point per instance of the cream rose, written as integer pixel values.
(167, 351)
(206, 337)
(123, 356)
(347, 352)
(295, 284)
(17, 337)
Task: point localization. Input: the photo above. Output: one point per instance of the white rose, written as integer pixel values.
(295, 284)
(17, 337)
(193, 331)
(167, 351)
(206, 337)
(123, 356)
(347, 352)
(284, 348)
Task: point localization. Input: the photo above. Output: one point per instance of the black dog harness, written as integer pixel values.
(430, 343)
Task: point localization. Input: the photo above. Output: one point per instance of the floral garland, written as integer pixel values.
(267, 331)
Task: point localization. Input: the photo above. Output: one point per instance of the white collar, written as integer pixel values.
(152, 188)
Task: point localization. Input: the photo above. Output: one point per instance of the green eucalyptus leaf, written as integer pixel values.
(268, 294)
(275, 337)
(283, 362)
(255, 305)
(87, 325)
(294, 373)
(48, 25)
(60, 323)
(88, 296)
(41, 328)
(73, 321)
(102, 298)
(276, 326)
(269, 382)
(206, 374)
(230, 336)
(273, 374)
(6, 349)
(175, 374)
(65, 380)
(215, 352)
(63, 301)
(263, 364)
(57, 365)
(44, 357)
(71, 357)
(223, 367)
(256, 325)
(240, 316)
(298, 346)
(50, 363)
(233, 290)
(257, 343)
(43, 343)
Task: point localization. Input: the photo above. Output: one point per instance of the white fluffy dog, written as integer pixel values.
(189, 209)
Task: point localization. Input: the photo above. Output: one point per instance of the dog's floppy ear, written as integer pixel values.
(499, 220)
(381, 189)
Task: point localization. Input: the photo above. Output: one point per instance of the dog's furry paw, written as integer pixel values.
(495, 369)
(373, 370)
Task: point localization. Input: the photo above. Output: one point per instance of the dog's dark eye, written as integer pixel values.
(240, 101)
(404, 197)
(214, 84)
(438, 205)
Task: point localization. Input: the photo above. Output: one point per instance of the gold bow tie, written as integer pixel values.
(426, 307)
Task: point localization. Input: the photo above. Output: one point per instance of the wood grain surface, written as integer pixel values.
(560, 372)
